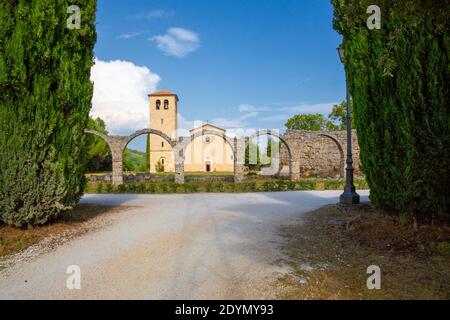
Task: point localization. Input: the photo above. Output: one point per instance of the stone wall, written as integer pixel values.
(319, 154)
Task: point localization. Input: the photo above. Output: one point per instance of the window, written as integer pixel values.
(207, 139)
(162, 161)
(158, 104)
(162, 144)
(166, 104)
(162, 120)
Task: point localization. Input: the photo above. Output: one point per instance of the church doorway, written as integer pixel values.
(208, 166)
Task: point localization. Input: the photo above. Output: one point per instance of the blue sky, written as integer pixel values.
(246, 63)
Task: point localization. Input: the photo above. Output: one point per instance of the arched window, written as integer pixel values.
(158, 104)
(162, 161)
(162, 144)
(166, 104)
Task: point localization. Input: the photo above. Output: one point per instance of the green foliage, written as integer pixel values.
(399, 79)
(159, 167)
(45, 100)
(310, 122)
(99, 154)
(338, 116)
(134, 161)
(250, 161)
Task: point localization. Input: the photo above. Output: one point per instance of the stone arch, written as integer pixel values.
(150, 131)
(293, 170)
(145, 132)
(341, 152)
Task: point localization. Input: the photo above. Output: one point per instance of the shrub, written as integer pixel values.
(334, 184)
(306, 185)
(209, 187)
(45, 99)
(174, 187)
(163, 188)
(99, 187)
(151, 188)
(109, 188)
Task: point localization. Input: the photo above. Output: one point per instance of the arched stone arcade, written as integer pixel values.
(294, 142)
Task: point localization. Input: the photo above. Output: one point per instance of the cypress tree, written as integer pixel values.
(45, 97)
(399, 78)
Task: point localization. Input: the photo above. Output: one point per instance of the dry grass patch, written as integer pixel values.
(13, 240)
(330, 261)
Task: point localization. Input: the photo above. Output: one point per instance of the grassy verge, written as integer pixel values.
(13, 240)
(255, 185)
(330, 262)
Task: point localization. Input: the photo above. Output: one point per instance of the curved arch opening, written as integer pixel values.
(144, 150)
(271, 152)
(99, 153)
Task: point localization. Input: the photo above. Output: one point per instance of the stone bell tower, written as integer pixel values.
(163, 117)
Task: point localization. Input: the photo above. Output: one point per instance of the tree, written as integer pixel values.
(252, 157)
(399, 80)
(338, 116)
(98, 151)
(311, 122)
(45, 98)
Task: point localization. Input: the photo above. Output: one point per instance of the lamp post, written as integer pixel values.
(349, 196)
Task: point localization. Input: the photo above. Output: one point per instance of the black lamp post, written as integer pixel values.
(349, 196)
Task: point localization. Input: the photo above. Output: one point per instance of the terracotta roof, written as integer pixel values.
(162, 93)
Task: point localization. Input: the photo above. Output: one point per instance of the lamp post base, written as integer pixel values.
(349, 197)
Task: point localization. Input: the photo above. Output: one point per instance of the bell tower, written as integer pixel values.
(163, 117)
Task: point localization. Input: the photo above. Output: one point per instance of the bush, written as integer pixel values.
(399, 79)
(151, 188)
(306, 185)
(45, 99)
(334, 185)
(174, 187)
(109, 188)
(209, 187)
(99, 187)
(163, 188)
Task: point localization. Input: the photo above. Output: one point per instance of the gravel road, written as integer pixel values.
(196, 246)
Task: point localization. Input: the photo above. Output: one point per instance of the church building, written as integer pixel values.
(205, 153)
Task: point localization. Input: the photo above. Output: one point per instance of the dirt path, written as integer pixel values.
(201, 246)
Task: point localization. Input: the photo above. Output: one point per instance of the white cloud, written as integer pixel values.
(177, 42)
(233, 123)
(284, 113)
(154, 14)
(130, 35)
(121, 95)
(252, 108)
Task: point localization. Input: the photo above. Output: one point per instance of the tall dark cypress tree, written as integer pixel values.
(45, 98)
(399, 78)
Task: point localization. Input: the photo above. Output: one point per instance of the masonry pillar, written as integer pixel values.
(178, 155)
(239, 159)
(179, 173)
(295, 170)
(117, 168)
